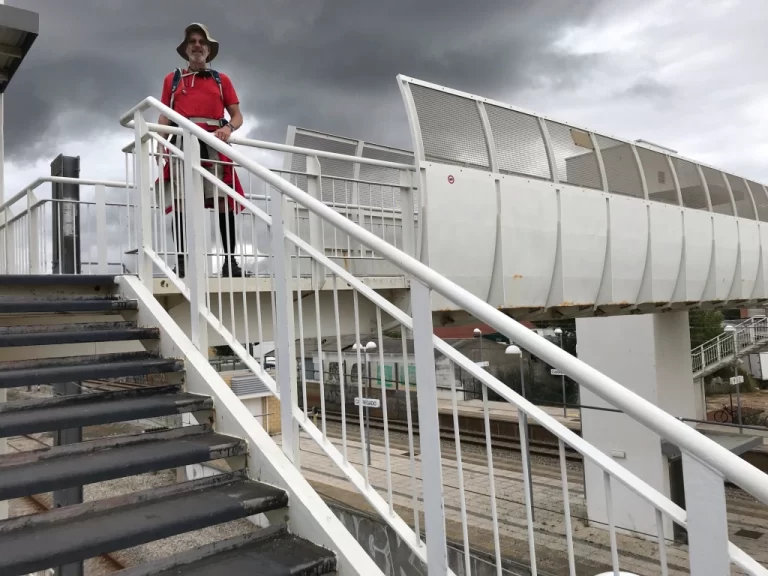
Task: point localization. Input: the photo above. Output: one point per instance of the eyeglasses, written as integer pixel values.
(194, 41)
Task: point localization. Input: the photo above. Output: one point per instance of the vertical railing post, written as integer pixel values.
(316, 240)
(143, 200)
(195, 276)
(707, 523)
(408, 210)
(101, 230)
(284, 328)
(34, 233)
(429, 430)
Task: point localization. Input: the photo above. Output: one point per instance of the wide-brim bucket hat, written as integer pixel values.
(213, 45)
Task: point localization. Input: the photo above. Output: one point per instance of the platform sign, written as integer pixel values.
(737, 380)
(556, 372)
(483, 364)
(368, 402)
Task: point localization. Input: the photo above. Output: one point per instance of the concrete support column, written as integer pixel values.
(651, 355)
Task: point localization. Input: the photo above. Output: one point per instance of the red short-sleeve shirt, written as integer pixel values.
(202, 98)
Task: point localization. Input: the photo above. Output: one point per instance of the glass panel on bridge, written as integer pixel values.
(718, 193)
(519, 143)
(621, 170)
(451, 129)
(742, 197)
(658, 176)
(761, 199)
(691, 187)
(574, 156)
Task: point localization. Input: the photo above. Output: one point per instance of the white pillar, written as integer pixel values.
(651, 355)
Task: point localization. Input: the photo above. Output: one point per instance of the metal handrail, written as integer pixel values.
(665, 425)
(154, 127)
(61, 180)
(727, 340)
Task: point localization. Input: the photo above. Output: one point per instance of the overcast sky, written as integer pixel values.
(689, 75)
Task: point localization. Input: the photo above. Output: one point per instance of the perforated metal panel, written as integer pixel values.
(621, 170)
(451, 129)
(691, 187)
(519, 144)
(384, 196)
(761, 199)
(718, 193)
(575, 159)
(658, 176)
(742, 197)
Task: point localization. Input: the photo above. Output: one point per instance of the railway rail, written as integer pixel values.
(536, 447)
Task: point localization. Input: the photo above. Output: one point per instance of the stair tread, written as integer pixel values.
(82, 531)
(32, 304)
(29, 416)
(59, 467)
(58, 279)
(90, 367)
(74, 333)
(267, 552)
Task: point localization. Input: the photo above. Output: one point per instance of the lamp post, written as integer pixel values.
(369, 347)
(515, 351)
(732, 331)
(559, 333)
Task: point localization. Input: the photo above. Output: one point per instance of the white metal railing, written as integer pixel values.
(719, 351)
(305, 288)
(41, 233)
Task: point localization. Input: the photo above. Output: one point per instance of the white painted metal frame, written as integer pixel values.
(709, 357)
(728, 465)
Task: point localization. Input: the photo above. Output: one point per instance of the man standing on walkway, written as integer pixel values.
(202, 95)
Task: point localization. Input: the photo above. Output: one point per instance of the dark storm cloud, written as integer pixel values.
(329, 65)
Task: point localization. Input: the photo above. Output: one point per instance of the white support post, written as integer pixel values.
(195, 243)
(34, 233)
(314, 189)
(429, 430)
(284, 341)
(707, 518)
(101, 230)
(144, 201)
(408, 210)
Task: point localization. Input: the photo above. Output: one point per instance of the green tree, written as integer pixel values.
(704, 325)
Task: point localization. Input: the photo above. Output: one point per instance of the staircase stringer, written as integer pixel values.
(309, 515)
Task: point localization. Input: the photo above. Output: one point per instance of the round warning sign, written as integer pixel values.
(451, 179)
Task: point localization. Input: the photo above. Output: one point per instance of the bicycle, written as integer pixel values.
(748, 417)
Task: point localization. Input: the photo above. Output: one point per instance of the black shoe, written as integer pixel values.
(231, 269)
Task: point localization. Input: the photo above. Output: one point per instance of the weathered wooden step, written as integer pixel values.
(62, 412)
(76, 333)
(38, 304)
(74, 533)
(268, 552)
(46, 470)
(77, 368)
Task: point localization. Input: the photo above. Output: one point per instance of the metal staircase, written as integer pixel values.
(71, 534)
(749, 336)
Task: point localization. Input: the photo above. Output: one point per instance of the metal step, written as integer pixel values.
(74, 533)
(79, 333)
(62, 412)
(268, 552)
(95, 280)
(76, 368)
(32, 304)
(46, 470)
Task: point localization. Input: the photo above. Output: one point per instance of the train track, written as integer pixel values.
(535, 447)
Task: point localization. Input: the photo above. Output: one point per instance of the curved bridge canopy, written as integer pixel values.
(538, 216)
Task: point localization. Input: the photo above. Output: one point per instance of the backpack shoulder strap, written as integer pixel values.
(216, 77)
(175, 85)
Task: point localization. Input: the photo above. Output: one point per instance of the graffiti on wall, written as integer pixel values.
(395, 558)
